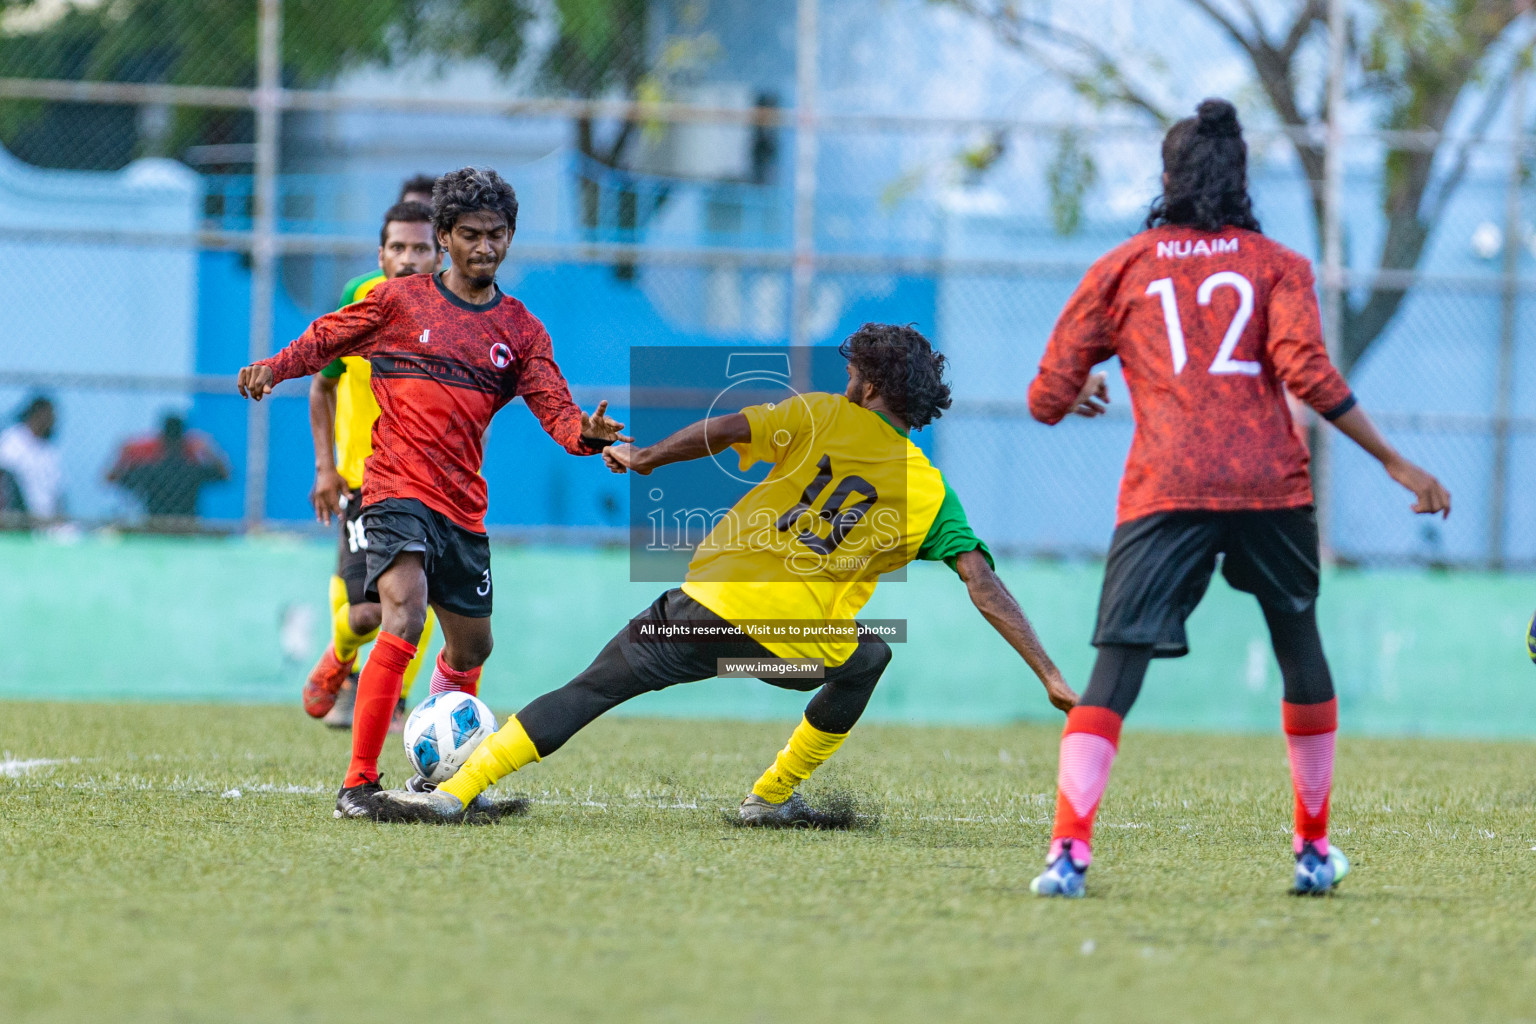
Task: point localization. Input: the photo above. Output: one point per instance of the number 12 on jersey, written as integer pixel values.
(1223, 363)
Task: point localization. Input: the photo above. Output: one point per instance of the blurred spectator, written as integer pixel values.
(31, 471)
(166, 470)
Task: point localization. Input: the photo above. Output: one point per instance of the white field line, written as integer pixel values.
(13, 767)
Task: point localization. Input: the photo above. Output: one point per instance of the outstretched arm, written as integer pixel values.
(695, 441)
(542, 386)
(346, 331)
(998, 607)
(1429, 495)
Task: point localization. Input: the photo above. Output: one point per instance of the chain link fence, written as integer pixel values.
(185, 186)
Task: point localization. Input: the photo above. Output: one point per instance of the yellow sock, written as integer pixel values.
(421, 656)
(346, 641)
(502, 753)
(338, 594)
(807, 750)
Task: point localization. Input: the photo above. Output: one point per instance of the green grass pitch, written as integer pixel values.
(136, 884)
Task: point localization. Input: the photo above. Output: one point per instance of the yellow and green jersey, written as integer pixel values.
(356, 408)
(848, 499)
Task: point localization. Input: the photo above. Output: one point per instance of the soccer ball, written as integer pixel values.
(443, 731)
(1530, 638)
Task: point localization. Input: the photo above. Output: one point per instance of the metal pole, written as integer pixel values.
(803, 266)
(269, 34)
(1509, 310)
(1333, 256)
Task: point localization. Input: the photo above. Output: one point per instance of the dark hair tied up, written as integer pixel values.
(1205, 173)
(1217, 119)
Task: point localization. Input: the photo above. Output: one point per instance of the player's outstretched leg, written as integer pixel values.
(554, 718)
(1089, 744)
(829, 718)
(462, 797)
(1309, 715)
(773, 802)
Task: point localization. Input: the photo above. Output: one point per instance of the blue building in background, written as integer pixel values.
(933, 244)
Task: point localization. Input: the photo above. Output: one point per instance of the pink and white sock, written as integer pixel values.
(1310, 734)
(1088, 747)
(445, 678)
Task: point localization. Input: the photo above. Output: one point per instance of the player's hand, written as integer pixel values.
(1429, 494)
(255, 382)
(600, 428)
(621, 458)
(1094, 397)
(1062, 696)
(328, 494)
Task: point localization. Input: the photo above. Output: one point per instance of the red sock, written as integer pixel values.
(445, 678)
(378, 691)
(1310, 730)
(1088, 747)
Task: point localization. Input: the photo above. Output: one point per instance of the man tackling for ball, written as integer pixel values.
(448, 351)
(849, 498)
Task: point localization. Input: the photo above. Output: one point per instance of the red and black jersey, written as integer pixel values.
(441, 369)
(1208, 327)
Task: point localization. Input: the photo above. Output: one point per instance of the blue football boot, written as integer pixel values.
(1063, 875)
(1316, 874)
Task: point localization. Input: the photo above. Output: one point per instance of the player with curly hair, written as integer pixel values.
(447, 350)
(1212, 322)
(850, 497)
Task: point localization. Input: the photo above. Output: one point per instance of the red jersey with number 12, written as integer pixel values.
(1208, 327)
(441, 369)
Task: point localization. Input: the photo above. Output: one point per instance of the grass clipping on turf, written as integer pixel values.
(834, 810)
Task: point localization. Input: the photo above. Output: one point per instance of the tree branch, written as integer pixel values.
(1016, 30)
(1230, 27)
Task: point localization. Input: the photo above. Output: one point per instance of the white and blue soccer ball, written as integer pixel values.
(443, 731)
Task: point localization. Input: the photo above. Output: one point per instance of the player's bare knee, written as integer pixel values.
(463, 653)
(365, 618)
(478, 650)
(405, 620)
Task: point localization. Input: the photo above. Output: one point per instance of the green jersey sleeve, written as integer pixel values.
(350, 289)
(951, 535)
(335, 369)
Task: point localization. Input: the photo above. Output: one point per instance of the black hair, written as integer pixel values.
(1205, 167)
(903, 368)
(407, 213)
(423, 183)
(173, 426)
(469, 190)
(36, 404)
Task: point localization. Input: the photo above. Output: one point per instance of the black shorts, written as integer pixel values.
(1159, 566)
(663, 663)
(458, 561)
(351, 551)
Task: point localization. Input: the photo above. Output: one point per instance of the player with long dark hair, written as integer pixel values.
(1211, 321)
(850, 497)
